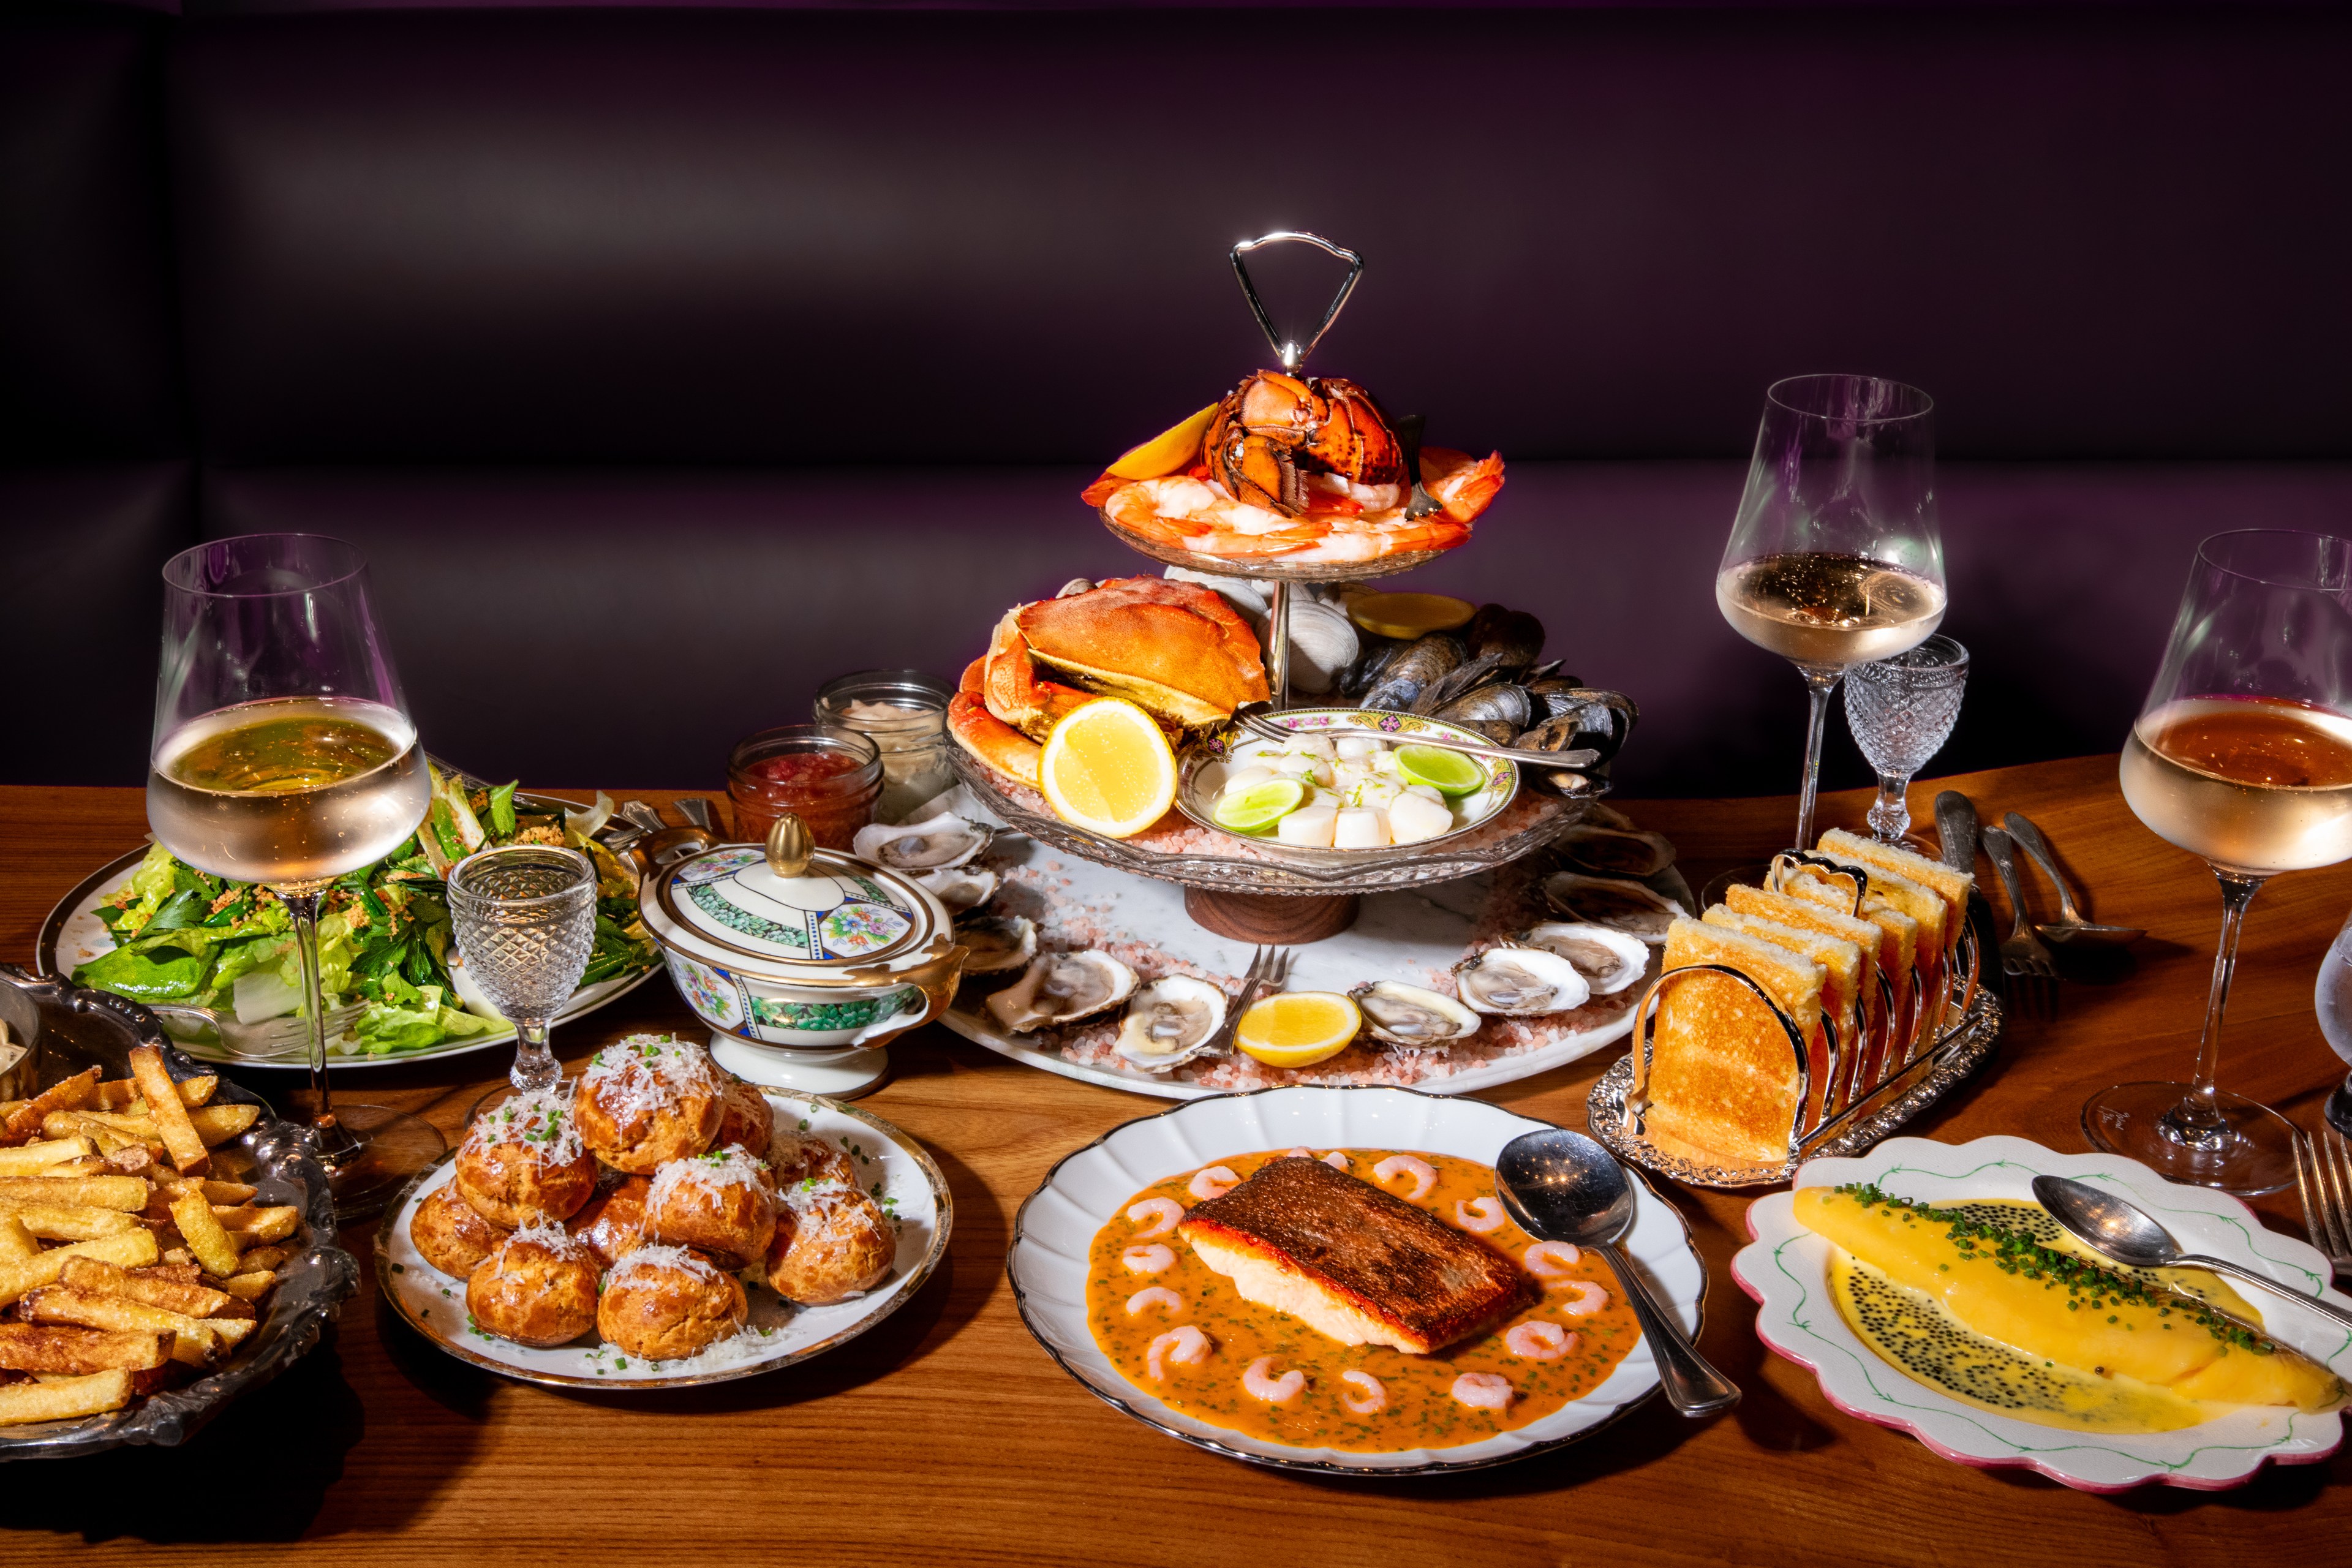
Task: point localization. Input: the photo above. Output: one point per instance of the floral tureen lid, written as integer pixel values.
(812, 912)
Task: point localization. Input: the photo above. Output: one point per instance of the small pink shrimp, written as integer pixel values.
(1187, 1346)
(1423, 1175)
(1482, 1390)
(1590, 1299)
(1301, 1152)
(1260, 1383)
(1479, 1215)
(1538, 1340)
(1149, 1259)
(1336, 1160)
(1154, 1296)
(1213, 1181)
(1162, 1212)
(1371, 1402)
(1549, 1261)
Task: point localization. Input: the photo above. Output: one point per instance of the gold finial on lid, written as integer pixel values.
(790, 847)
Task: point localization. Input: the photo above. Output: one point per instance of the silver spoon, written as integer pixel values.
(2070, 926)
(2117, 1230)
(1562, 1186)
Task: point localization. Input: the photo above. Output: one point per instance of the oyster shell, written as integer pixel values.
(1613, 901)
(962, 888)
(1062, 988)
(1608, 960)
(1607, 851)
(1169, 1021)
(1520, 982)
(997, 948)
(1408, 1016)
(930, 845)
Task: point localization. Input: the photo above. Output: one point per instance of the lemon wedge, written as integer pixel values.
(1169, 452)
(1298, 1028)
(1408, 616)
(1107, 768)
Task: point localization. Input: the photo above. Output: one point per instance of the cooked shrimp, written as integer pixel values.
(1423, 1175)
(1149, 1259)
(1336, 1160)
(1156, 1296)
(1374, 1398)
(1535, 1340)
(1590, 1299)
(1549, 1261)
(1213, 1181)
(1164, 1212)
(1187, 1346)
(1479, 1215)
(1483, 1390)
(1259, 1382)
(1301, 1152)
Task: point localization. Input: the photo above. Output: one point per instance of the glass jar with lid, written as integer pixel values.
(829, 777)
(905, 714)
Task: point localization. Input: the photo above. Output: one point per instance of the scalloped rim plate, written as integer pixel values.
(1047, 1260)
(1783, 1268)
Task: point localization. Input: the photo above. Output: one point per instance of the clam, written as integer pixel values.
(1608, 960)
(1412, 674)
(962, 888)
(1615, 851)
(1323, 645)
(997, 948)
(1062, 988)
(930, 845)
(1520, 982)
(1169, 1021)
(1613, 901)
(1408, 1016)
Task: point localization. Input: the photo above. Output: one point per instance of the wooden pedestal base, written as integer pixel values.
(1271, 917)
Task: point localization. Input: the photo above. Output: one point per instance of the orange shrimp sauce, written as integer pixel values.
(1421, 1411)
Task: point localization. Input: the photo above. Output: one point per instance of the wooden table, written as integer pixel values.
(946, 1436)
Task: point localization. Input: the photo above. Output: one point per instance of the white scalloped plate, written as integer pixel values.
(1783, 1268)
(1047, 1260)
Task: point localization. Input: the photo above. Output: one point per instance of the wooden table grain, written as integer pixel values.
(946, 1436)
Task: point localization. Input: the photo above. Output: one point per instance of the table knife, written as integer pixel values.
(1956, 824)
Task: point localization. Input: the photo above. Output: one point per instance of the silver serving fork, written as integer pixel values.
(2022, 956)
(2323, 1176)
(1269, 971)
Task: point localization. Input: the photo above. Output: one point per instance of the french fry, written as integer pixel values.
(248, 1287)
(215, 1193)
(180, 1258)
(35, 1347)
(256, 1224)
(184, 1272)
(100, 1279)
(69, 1221)
(261, 1257)
(219, 1124)
(65, 1398)
(130, 1160)
(9, 1108)
(122, 1093)
(214, 1246)
(32, 1159)
(128, 1194)
(157, 1087)
(87, 1165)
(70, 1094)
(132, 1250)
(123, 1124)
(195, 1341)
(230, 1332)
(16, 1243)
(60, 1124)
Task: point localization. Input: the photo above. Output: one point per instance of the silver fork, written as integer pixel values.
(2323, 1176)
(1252, 716)
(1269, 970)
(2022, 956)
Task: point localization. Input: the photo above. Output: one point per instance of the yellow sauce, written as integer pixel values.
(1421, 1412)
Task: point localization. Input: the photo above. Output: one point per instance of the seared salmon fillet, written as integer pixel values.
(1351, 1261)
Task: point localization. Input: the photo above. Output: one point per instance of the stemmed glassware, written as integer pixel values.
(2242, 754)
(525, 921)
(283, 754)
(1834, 559)
(1901, 711)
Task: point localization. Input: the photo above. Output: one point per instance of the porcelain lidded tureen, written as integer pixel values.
(802, 961)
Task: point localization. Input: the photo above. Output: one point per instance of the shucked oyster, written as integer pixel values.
(926, 845)
(997, 948)
(1520, 982)
(1062, 988)
(1408, 1016)
(1169, 1021)
(1609, 851)
(1609, 959)
(962, 888)
(1612, 902)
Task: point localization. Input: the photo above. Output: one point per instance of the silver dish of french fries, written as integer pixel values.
(165, 1242)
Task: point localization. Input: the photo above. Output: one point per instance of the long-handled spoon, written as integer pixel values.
(2119, 1231)
(1562, 1186)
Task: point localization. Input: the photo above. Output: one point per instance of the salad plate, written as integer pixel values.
(890, 1163)
(1783, 1268)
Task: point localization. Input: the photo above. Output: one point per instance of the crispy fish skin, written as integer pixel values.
(1354, 1262)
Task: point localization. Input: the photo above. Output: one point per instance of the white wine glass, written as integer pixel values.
(1834, 558)
(283, 754)
(2243, 755)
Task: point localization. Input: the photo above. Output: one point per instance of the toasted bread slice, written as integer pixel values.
(1351, 1261)
(1921, 904)
(1952, 885)
(1175, 649)
(1843, 963)
(1806, 915)
(1724, 1080)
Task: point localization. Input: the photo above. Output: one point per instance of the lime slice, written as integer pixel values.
(1447, 772)
(1260, 806)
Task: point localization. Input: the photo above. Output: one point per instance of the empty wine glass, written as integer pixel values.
(2242, 754)
(2332, 1000)
(1834, 558)
(525, 921)
(1901, 711)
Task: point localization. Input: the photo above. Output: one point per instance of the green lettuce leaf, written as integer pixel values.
(384, 1027)
(159, 974)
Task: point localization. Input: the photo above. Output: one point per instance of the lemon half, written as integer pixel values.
(1409, 616)
(1107, 768)
(1298, 1028)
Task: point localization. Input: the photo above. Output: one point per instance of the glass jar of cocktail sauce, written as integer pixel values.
(905, 714)
(828, 777)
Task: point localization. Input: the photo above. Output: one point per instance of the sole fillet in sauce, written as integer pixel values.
(1351, 1261)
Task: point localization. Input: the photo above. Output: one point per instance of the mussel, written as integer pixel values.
(1498, 701)
(1412, 674)
(1514, 639)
